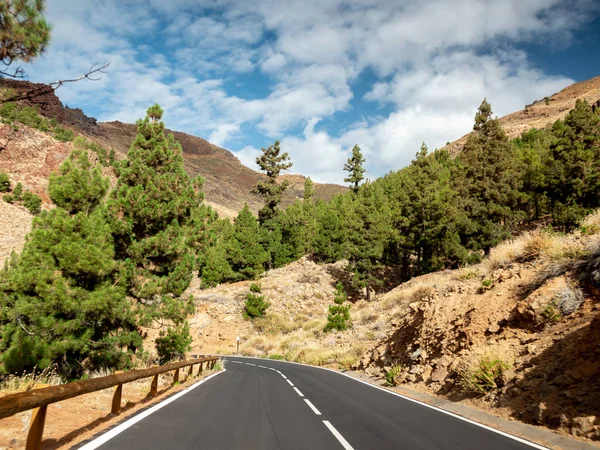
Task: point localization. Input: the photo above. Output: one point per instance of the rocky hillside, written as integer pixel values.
(542, 112)
(228, 181)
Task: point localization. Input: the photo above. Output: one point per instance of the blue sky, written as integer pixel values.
(319, 75)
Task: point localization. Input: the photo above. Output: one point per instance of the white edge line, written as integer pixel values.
(290, 383)
(135, 419)
(338, 436)
(315, 410)
(298, 392)
(443, 411)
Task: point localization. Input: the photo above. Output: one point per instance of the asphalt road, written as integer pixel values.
(263, 404)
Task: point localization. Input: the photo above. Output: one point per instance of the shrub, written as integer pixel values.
(276, 356)
(392, 376)
(8, 198)
(17, 192)
(551, 312)
(484, 376)
(63, 134)
(339, 315)
(255, 306)
(172, 344)
(4, 182)
(32, 202)
(255, 288)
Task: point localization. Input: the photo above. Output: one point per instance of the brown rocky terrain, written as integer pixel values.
(541, 112)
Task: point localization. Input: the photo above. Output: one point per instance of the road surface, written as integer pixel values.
(264, 404)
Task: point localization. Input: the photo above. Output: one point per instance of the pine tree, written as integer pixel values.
(355, 169)
(158, 221)
(24, 33)
(572, 166)
(156, 212)
(339, 315)
(368, 230)
(77, 184)
(245, 254)
(272, 163)
(309, 191)
(63, 299)
(489, 182)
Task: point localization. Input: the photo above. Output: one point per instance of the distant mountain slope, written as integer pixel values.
(539, 114)
(228, 181)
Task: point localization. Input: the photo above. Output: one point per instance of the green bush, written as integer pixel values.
(339, 315)
(392, 376)
(8, 198)
(32, 202)
(255, 288)
(255, 306)
(63, 134)
(17, 192)
(27, 115)
(276, 356)
(485, 376)
(4, 182)
(173, 344)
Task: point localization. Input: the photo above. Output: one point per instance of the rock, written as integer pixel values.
(444, 361)
(539, 412)
(532, 349)
(416, 370)
(582, 426)
(494, 328)
(415, 355)
(426, 375)
(410, 378)
(507, 376)
(439, 374)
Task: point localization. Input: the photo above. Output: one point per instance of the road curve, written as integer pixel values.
(264, 404)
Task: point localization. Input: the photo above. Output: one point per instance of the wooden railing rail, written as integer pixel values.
(43, 396)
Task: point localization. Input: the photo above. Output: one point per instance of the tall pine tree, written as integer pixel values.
(355, 169)
(63, 299)
(271, 162)
(158, 220)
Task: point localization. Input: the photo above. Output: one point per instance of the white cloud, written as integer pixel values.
(434, 62)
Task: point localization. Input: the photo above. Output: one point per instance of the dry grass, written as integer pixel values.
(13, 384)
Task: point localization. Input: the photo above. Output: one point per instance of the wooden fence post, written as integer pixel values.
(200, 369)
(36, 425)
(116, 401)
(191, 372)
(176, 376)
(154, 386)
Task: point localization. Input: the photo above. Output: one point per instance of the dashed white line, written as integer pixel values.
(315, 410)
(278, 372)
(262, 367)
(338, 436)
(270, 368)
(284, 377)
(237, 362)
(290, 383)
(298, 392)
(250, 364)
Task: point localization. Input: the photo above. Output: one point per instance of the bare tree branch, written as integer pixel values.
(88, 75)
(51, 87)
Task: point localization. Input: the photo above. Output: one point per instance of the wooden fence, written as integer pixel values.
(39, 399)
